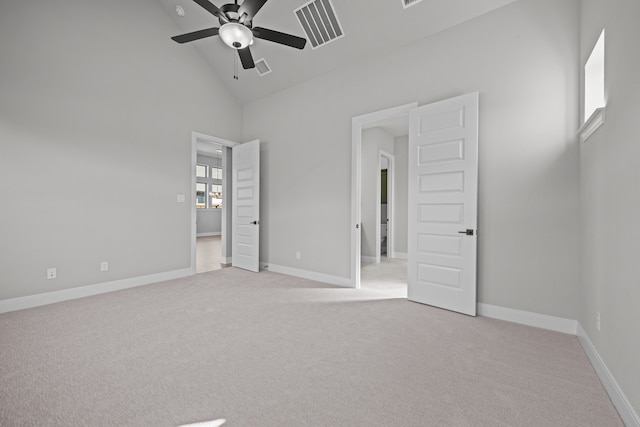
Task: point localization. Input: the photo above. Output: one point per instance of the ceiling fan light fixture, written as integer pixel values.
(235, 35)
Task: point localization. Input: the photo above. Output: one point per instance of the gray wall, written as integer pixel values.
(401, 196)
(373, 140)
(610, 203)
(523, 59)
(96, 115)
(209, 222)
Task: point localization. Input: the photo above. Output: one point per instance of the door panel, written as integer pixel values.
(246, 206)
(443, 170)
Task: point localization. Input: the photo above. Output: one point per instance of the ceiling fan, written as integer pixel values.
(236, 29)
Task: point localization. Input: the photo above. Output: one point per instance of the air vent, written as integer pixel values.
(319, 22)
(262, 67)
(409, 3)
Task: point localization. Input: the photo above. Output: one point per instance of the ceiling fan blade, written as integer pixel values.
(212, 8)
(246, 58)
(278, 37)
(196, 35)
(251, 7)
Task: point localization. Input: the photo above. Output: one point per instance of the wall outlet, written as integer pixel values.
(51, 273)
(298, 256)
(598, 320)
(104, 266)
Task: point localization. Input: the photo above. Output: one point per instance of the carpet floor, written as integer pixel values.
(272, 350)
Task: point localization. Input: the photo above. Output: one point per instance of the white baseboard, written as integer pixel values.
(400, 255)
(559, 324)
(215, 233)
(368, 260)
(553, 323)
(30, 301)
(226, 260)
(620, 401)
(305, 274)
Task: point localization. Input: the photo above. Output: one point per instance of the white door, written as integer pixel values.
(245, 210)
(443, 192)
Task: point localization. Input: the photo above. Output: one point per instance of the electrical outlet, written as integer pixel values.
(598, 320)
(298, 256)
(104, 266)
(51, 273)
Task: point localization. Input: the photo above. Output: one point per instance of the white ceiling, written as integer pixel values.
(371, 27)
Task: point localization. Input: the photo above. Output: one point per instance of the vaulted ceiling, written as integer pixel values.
(371, 28)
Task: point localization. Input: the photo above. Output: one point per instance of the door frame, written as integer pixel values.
(197, 137)
(359, 123)
(390, 205)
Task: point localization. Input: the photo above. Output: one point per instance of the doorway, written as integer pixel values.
(379, 261)
(442, 190)
(209, 206)
(210, 215)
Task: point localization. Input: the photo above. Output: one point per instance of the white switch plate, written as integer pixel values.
(180, 198)
(51, 273)
(298, 255)
(104, 266)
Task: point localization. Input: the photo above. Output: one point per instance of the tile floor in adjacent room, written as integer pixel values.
(208, 253)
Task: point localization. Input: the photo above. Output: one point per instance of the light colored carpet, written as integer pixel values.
(271, 350)
(388, 276)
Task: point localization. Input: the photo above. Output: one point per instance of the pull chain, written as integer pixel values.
(235, 66)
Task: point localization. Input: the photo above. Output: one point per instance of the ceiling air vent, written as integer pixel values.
(319, 22)
(408, 3)
(262, 67)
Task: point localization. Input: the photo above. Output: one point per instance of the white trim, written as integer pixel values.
(620, 401)
(357, 124)
(544, 321)
(195, 138)
(400, 255)
(369, 260)
(213, 233)
(618, 398)
(89, 290)
(594, 122)
(226, 260)
(305, 274)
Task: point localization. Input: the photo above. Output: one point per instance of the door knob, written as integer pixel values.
(255, 222)
(468, 232)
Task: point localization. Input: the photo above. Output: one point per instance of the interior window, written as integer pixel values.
(201, 171)
(216, 195)
(594, 79)
(201, 198)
